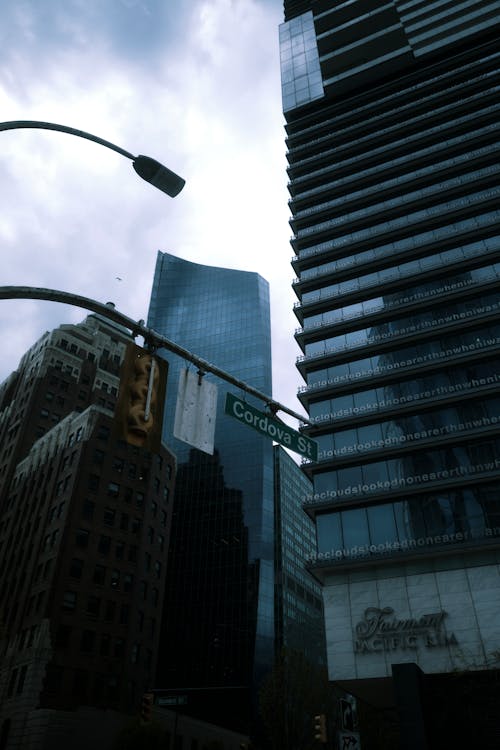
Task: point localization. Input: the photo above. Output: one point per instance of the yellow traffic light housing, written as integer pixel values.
(147, 707)
(320, 728)
(139, 409)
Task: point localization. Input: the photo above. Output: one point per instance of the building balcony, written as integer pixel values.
(381, 376)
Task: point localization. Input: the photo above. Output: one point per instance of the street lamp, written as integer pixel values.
(149, 169)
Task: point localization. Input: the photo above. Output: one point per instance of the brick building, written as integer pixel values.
(84, 530)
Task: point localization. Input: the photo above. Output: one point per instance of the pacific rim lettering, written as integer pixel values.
(380, 630)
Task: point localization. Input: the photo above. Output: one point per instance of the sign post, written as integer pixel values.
(270, 427)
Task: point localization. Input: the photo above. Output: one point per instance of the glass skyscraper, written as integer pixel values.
(392, 133)
(299, 623)
(218, 633)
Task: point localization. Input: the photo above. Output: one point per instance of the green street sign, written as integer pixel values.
(273, 428)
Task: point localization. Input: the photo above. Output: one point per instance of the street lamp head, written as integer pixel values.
(158, 175)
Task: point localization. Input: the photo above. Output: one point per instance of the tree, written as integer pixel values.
(290, 697)
(137, 736)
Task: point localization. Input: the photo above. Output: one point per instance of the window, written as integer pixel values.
(93, 606)
(88, 509)
(124, 614)
(105, 644)
(88, 640)
(109, 614)
(80, 682)
(115, 578)
(98, 456)
(63, 635)
(124, 521)
(109, 516)
(103, 432)
(93, 482)
(99, 576)
(104, 544)
(76, 568)
(128, 582)
(134, 655)
(82, 538)
(119, 550)
(113, 489)
(69, 600)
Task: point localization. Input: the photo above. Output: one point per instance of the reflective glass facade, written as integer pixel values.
(299, 607)
(218, 631)
(394, 184)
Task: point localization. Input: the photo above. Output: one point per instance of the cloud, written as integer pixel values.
(194, 84)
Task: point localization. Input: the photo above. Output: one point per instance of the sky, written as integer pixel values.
(193, 83)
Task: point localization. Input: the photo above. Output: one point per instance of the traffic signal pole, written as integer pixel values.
(153, 339)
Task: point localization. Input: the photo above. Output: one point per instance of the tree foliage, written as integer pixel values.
(137, 736)
(290, 697)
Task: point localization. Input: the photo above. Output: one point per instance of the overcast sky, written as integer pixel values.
(192, 83)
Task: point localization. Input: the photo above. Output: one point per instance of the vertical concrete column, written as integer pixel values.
(407, 683)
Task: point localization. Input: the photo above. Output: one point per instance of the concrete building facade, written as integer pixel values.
(84, 531)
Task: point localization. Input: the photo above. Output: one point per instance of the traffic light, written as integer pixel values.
(346, 715)
(139, 408)
(320, 728)
(147, 707)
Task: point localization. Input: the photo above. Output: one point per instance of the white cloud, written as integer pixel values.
(204, 100)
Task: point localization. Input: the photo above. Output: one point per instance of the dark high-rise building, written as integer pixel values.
(392, 132)
(84, 528)
(218, 632)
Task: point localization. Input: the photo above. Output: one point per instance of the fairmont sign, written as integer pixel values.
(380, 630)
(273, 428)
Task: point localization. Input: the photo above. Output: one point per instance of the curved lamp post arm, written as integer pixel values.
(149, 169)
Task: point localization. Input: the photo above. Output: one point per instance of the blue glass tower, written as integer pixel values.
(218, 632)
(393, 150)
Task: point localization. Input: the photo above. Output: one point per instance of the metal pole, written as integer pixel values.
(152, 338)
(16, 124)
(149, 169)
